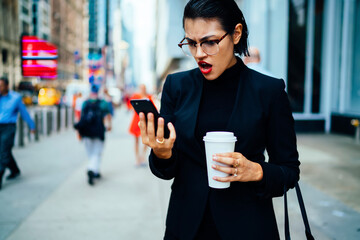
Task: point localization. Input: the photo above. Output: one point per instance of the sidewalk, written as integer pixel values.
(52, 199)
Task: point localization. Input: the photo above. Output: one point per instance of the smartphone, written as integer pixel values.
(146, 106)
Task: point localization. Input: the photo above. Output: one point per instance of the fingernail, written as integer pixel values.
(215, 178)
(214, 166)
(215, 157)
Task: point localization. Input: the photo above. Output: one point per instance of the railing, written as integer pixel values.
(48, 121)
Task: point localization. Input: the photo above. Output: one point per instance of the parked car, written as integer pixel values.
(27, 91)
(49, 97)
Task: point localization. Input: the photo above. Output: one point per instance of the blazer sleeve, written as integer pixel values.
(282, 169)
(166, 168)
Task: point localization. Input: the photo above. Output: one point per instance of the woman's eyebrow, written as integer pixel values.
(202, 39)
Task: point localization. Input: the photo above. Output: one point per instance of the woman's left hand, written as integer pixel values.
(239, 167)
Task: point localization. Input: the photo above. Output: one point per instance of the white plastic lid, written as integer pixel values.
(218, 136)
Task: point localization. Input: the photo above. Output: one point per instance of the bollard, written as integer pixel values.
(44, 122)
(58, 118)
(36, 126)
(54, 119)
(49, 122)
(66, 117)
(21, 132)
(63, 118)
(356, 124)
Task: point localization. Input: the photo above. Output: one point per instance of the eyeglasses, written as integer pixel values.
(210, 47)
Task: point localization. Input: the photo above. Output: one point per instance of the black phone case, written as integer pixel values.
(146, 106)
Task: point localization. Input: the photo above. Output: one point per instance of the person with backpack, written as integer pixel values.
(94, 121)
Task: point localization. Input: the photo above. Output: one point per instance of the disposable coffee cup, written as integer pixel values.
(217, 142)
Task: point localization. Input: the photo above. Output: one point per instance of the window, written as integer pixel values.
(355, 76)
(316, 69)
(4, 53)
(25, 27)
(25, 10)
(296, 53)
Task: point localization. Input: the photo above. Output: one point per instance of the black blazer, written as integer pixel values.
(261, 119)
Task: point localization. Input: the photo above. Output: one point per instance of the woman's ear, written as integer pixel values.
(237, 33)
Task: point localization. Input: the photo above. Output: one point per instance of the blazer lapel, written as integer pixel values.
(197, 92)
(234, 117)
(186, 126)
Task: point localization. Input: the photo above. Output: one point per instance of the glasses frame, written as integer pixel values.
(217, 41)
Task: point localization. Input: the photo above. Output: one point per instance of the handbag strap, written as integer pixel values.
(308, 234)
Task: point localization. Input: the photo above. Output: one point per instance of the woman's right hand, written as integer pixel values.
(161, 146)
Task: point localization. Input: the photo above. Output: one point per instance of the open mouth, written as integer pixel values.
(205, 67)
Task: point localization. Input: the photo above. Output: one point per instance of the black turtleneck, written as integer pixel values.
(217, 99)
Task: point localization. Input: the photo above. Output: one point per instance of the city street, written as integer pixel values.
(52, 199)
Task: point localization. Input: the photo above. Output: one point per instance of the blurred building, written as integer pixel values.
(16, 19)
(93, 15)
(25, 16)
(314, 45)
(120, 47)
(41, 19)
(69, 31)
(139, 30)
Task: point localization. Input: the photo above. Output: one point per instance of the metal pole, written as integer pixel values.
(36, 127)
(21, 132)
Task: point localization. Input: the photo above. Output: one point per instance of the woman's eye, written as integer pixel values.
(209, 43)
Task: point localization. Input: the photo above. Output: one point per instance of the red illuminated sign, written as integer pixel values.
(40, 68)
(38, 58)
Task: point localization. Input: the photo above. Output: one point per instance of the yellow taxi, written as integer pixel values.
(49, 96)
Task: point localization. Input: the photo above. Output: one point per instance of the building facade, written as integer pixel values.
(15, 18)
(314, 47)
(69, 31)
(41, 19)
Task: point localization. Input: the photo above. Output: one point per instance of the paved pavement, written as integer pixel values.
(52, 199)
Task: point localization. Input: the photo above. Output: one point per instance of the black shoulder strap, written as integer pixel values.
(308, 234)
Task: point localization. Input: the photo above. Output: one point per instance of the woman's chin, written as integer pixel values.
(210, 76)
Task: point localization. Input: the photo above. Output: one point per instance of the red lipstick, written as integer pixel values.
(205, 67)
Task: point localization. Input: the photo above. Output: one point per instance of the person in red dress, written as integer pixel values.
(134, 127)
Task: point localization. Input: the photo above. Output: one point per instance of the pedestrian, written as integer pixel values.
(78, 106)
(108, 99)
(10, 105)
(95, 120)
(222, 94)
(135, 130)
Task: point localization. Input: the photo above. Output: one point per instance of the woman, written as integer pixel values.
(134, 127)
(222, 94)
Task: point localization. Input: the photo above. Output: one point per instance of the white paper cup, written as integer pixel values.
(217, 142)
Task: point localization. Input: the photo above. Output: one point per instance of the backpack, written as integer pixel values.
(91, 121)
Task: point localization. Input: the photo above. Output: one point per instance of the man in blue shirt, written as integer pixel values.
(10, 105)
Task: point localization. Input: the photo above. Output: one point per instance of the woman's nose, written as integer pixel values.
(199, 52)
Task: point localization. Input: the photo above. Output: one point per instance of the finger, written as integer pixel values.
(142, 126)
(228, 170)
(225, 179)
(225, 160)
(151, 127)
(160, 129)
(230, 154)
(172, 135)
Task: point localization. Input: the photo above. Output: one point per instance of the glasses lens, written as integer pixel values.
(210, 47)
(186, 49)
